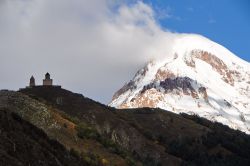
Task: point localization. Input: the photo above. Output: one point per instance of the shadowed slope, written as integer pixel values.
(153, 136)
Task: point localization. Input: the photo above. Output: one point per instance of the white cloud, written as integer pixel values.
(91, 47)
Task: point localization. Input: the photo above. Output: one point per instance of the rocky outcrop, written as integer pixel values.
(126, 87)
(216, 63)
(163, 74)
(178, 85)
(143, 99)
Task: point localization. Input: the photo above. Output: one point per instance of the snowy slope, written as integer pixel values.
(201, 77)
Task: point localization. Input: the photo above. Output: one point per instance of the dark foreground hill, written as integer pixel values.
(99, 135)
(23, 144)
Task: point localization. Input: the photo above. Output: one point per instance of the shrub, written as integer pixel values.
(74, 153)
(84, 131)
(70, 118)
(104, 162)
(130, 161)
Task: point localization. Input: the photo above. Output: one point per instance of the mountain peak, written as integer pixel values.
(201, 77)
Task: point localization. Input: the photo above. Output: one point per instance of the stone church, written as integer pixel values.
(47, 81)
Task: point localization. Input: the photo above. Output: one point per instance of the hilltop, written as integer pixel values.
(95, 134)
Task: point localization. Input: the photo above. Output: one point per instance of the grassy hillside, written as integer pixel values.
(23, 144)
(100, 135)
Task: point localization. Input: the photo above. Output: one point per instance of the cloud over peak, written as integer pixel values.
(88, 46)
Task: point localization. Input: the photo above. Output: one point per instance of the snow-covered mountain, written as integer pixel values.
(201, 77)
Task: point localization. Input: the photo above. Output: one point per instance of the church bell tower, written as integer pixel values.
(32, 82)
(47, 81)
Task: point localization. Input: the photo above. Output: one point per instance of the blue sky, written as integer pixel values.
(226, 22)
